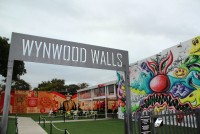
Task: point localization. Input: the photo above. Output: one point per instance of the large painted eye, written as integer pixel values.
(187, 59)
(197, 75)
(194, 42)
(191, 95)
(197, 41)
(143, 75)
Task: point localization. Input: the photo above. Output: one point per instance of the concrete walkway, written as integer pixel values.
(27, 125)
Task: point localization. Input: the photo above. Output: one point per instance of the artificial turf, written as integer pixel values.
(88, 127)
(110, 126)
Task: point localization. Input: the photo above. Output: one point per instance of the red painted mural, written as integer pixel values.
(43, 102)
(33, 102)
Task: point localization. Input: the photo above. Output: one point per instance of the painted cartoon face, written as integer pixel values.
(192, 62)
(180, 73)
(193, 98)
(195, 48)
(194, 79)
(160, 82)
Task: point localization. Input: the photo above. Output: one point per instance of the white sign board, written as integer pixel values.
(158, 122)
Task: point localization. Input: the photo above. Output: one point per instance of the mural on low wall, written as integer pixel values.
(33, 102)
(97, 105)
(44, 101)
(167, 81)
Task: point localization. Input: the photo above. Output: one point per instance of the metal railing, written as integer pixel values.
(61, 130)
(49, 118)
(168, 122)
(112, 115)
(16, 124)
(43, 119)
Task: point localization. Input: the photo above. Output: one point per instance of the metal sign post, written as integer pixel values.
(128, 117)
(52, 51)
(6, 105)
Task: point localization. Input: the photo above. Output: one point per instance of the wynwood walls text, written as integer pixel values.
(70, 53)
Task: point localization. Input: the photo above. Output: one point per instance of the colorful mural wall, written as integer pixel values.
(33, 102)
(97, 105)
(169, 80)
(43, 101)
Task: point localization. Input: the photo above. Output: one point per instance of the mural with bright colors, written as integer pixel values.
(43, 101)
(33, 102)
(169, 80)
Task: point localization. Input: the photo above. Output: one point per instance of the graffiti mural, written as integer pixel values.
(121, 94)
(32, 101)
(169, 80)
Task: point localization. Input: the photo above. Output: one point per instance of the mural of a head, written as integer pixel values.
(180, 72)
(195, 46)
(192, 62)
(68, 97)
(69, 104)
(160, 82)
(193, 79)
(193, 98)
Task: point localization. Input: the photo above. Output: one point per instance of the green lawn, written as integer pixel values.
(11, 129)
(11, 126)
(89, 127)
(110, 126)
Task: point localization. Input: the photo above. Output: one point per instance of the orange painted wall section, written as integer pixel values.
(33, 102)
(43, 101)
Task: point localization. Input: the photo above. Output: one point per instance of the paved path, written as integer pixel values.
(27, 125)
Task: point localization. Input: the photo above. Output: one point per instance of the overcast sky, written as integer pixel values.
(142, 27)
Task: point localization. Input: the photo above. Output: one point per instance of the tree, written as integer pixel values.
(83, 85)
(72, 89)
(21, 85)
(17, 85)
(19, 66)
(59, 86)
(53, 85)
